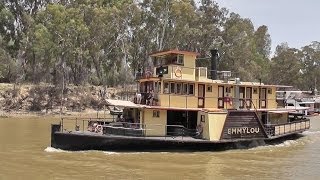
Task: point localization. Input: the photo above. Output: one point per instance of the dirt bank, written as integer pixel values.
(48, 99)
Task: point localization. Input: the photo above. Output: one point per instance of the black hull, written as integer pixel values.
(81, 141)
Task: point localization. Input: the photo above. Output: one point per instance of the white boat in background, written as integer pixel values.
(304, 107)
(304, 102)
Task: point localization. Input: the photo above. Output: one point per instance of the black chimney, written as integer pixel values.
(214, 63)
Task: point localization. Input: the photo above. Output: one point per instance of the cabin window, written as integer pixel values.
(290, 104)
(228, 89)
(156, 113)
(202, 118)
(172, 88)
(179, 88)
(180, 59)
(166, 88)
(157, 87)
(185, 89)
(255, 91)
(248, 93)
(269, 91)
(191, 89)
(160, 60)
(209, 88)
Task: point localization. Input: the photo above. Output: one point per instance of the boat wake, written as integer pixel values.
(110, 152)
(311, 132)
(52, 149)
(307, 138)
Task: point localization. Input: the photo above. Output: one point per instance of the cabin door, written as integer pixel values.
(248, 97)
(263, 98)
(220, 97)
(241, 97)
(201, 95)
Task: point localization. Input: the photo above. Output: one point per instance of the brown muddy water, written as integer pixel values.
(25, 154)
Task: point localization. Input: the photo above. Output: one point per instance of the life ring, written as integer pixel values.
(199, 128)
(98, 129)
(230, 102)
(226, 99)
(178, 72)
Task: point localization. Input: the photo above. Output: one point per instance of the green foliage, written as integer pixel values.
(103, 42)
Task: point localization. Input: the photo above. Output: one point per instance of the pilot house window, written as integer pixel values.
(180, 59)
(168, 59)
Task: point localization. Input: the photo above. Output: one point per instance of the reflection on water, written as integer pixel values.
(25, 154)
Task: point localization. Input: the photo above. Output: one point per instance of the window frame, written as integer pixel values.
(164, 87)
(180, 59)
(156, 113)
(193, 89)
(174, 88)
(181, 85)
(209, 90)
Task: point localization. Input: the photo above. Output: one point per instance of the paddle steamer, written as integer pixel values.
(184, 107)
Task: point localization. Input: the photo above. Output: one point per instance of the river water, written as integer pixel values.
(25, 154)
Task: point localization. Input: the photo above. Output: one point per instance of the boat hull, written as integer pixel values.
(79, 141)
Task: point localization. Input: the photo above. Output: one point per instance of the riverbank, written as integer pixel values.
(88, 113)
(45, 99)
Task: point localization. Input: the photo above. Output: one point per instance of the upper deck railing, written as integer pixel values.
(186, 73)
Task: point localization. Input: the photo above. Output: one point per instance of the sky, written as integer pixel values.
(296, 22)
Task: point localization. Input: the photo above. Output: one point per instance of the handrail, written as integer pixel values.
(293, 122)
(139, 129)
(271, 128)
(183, 132)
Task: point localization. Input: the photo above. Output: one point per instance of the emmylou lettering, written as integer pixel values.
(243, 130)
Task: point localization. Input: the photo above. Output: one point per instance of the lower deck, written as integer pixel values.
(182, 126)
(76, 140)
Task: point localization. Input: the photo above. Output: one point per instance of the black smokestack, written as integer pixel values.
(214, 62)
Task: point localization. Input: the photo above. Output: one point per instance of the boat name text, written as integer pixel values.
(243, 130)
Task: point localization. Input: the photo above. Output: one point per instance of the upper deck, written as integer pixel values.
(177, 82)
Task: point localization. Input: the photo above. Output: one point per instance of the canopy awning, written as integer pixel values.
(278, 112)
(121, 103)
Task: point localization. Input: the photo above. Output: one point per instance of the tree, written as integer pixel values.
(286, 66)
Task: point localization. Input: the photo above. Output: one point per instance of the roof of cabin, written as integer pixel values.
(121, 103)
(210, 81)
(174, 51)
(184, 109)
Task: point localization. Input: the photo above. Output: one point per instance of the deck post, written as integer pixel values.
(61, 124)
(237, 94)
